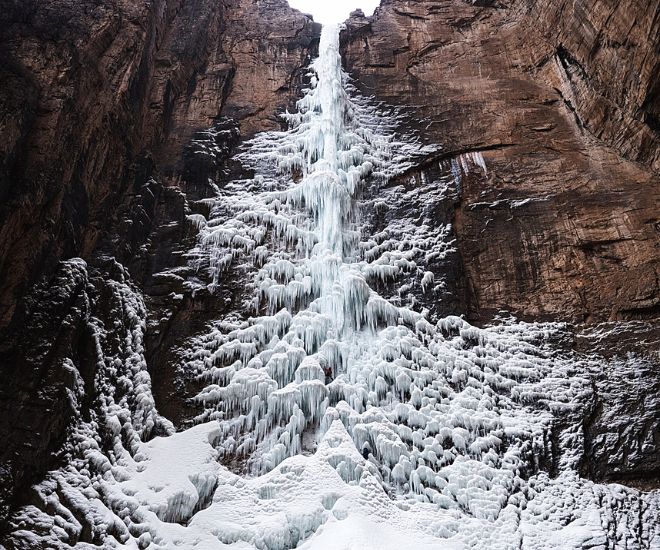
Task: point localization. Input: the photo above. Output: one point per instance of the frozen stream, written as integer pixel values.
(334, 417)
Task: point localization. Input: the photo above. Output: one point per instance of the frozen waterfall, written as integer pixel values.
(334, 414)
(273, 377)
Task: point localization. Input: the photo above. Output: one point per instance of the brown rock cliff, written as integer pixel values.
(91, 87)
(561, 99)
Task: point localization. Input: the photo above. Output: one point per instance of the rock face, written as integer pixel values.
(89, 89)
(561, 100)
(114, 115)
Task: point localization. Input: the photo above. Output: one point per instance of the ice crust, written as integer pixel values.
(348, 421)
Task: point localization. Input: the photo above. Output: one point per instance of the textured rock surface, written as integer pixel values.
(562, 101)
(90, 88)
(104, 109)
(621, 432)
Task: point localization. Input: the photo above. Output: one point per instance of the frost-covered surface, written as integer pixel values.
(335, 416)
(66, 506)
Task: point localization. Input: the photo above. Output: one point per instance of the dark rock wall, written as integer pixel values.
(90, 87)
(103, 108)
(561, 99)
(620, 426)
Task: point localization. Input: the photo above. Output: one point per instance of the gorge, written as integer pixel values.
(267, 303)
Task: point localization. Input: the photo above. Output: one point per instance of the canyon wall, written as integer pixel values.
(562, 101)
(114, 115)
(93, 90)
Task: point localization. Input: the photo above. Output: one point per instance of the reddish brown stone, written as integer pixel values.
(562, 100)
(88, 88)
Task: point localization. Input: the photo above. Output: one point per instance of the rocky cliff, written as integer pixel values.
(114, 115)
(561, 99)
(92, 91)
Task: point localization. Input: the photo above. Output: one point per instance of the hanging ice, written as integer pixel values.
(321, 315)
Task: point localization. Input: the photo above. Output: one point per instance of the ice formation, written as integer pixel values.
(333, 415)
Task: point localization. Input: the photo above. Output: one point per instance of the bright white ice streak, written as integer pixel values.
(316, 294)
(329, 345)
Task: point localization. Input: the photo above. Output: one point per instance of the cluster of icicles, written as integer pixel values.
(422, 400)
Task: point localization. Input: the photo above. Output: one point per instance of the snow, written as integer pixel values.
(333, 416)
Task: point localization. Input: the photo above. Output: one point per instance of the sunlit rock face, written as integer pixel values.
(335, 400)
